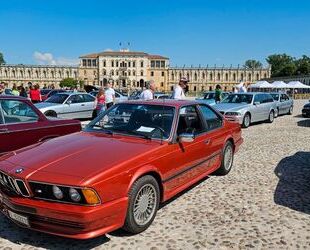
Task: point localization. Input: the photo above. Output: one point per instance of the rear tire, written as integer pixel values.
(290, 112)
(271, 116)
(143, 202)
(276, 113)
(227, 159)
(246, 120)
(50, 113)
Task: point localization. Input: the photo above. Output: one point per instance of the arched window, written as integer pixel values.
(104, 72)
(67, 74)
(75, 74)
(112, 72)
(226, 77)
(218, 76)
(112, 63)
(104, 63)
(180, 75)
(265, 75)
(141, 73)
(129, 73)
(21, 74)
(29, 74)
(211, 77)
(44, 74)
(195, 76)
(13, 73)
(203, 75)
(37, 74)
(6, 73)
(241, 77)
(187, 76)
(52, 74)
(172, 76)
(250, 77)
(60, 74)
(257, 76)
(234, 76)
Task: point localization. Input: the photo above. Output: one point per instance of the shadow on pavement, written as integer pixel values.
(304, 123)
(19, 236)
(293, 189)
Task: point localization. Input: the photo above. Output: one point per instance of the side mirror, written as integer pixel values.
(69, 102)
(256, 103)
(186, 137)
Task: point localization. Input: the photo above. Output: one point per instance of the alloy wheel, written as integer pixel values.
(228, 157)
(144, 205)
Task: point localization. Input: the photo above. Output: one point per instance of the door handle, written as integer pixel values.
(207, 141)
(82, 104)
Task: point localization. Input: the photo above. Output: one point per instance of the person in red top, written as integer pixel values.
(35, 94)
(100, 101)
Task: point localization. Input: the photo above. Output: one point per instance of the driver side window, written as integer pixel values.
(17, 112)
(76, 99)
(189, 121)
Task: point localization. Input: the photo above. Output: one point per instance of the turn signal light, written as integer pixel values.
(91, 196)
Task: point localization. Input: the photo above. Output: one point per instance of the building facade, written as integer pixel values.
(37, 74)
(130, 70)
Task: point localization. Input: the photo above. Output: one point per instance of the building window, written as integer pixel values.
(112, 72)
(133, 73)
(116, 63)
(52, 73)
(157, 64)
(162, 64)
(141, 73)
(129, 64)
(162, 84)
(250, 77)
(172, 76)
(218, 76)
(226, 77)
(234, 76)
(129, 72)
(44, 74)
(152, 73)
(203, 75)
(141, 64)
(211, 77)
(116, 73)
(257, 76)
(104, 63)
(89, 63)
(241, 76)
(195, 76)
(265, 75)
(171, 88)
(163, 73)
(112, 63)
(134, 64)
(152, 64)
(67, 74)
(195, 88)
(84, 62)
(94, 63)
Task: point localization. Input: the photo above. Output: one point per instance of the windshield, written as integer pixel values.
(45, 91)
(57, 98)
(238, 98)
(149, 121)
(210, 95)
(275, 97)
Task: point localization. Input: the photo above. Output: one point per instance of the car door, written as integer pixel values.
(74, 107)
(258, 108)
(187, 160)
(284, 103)
(88, 107)
(21, 125)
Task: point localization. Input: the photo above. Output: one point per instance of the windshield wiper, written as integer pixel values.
(139, 134)
(107, 131)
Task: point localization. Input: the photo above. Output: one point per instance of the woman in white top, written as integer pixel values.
(148, 93)
(178, 92)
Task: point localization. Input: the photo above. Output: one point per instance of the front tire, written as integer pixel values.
(271, 116)
(143, 202)
(290, 112)
(227, 159)
(276, 113)
(246, 120)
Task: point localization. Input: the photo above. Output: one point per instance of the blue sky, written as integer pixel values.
(189, 32)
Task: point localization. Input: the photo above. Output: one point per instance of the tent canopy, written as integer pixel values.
(297, 85)
(261, 85)
(279, 85)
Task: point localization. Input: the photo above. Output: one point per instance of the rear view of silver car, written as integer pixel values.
(284, 103)
(248, 107)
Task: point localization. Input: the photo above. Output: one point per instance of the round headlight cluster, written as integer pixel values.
(74, 195)
(57, 192)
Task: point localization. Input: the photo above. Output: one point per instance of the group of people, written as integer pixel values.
(31, 91)
(105, 98)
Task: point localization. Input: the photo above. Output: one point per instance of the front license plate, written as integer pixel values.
(19, 218)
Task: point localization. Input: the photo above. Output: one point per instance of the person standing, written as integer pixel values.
(100, 101)
(22, 91)
(35, 95)
(148, 93)
(179, 90)
(2, 88)
(109, 94)
(15, 90)
(218, 93)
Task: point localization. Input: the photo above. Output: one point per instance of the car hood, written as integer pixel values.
(230, 106)
(43, 105)
(307, 105)
(78, 155)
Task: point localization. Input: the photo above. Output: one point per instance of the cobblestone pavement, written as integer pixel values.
(263, 203)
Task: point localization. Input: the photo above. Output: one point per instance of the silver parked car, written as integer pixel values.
(119, 97)
(69, 105)
(284, 103)
(248, 107)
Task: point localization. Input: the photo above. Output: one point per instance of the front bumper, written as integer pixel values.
(305, 112)
(72, 221)
(238, 118)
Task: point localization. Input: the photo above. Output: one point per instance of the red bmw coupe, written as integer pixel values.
(117, 171)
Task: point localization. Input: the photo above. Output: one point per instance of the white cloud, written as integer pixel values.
(48, 59)
(108, 50)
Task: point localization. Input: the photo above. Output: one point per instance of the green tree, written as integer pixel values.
(303, 65)
(253, 64)
(281, 65)
(69, 83)
(2, 61)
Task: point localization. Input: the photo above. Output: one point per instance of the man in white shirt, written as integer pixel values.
(109, 95)
(148, 93)
(178, 92)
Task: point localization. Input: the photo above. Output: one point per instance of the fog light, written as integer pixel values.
(57, 192)
(74, 195)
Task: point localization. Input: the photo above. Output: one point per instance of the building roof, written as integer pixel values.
(123, 53)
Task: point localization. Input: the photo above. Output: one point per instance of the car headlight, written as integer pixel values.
(57, 192)
(233, 113)
(74, 195)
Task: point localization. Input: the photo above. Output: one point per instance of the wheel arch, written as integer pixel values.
(148, 170)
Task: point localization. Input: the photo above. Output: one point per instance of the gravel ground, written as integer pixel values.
(263, 203)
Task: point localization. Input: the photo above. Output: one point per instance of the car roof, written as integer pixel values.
(163, 102)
